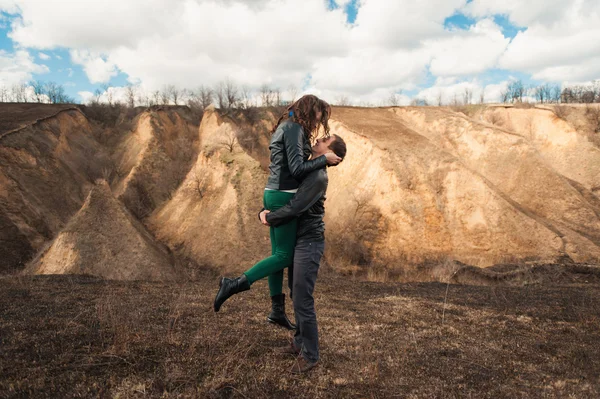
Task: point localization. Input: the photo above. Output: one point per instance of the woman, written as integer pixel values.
(290, 149)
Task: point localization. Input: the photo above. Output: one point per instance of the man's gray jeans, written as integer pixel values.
(307, 258)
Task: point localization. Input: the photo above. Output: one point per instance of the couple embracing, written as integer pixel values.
(294, 209)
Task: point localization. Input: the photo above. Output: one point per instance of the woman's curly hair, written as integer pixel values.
(304, 112)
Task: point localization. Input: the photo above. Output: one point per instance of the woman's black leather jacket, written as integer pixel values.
(289, 153)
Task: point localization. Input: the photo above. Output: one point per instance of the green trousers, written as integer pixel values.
(283, 241)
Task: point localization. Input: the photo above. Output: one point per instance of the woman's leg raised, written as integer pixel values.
(285, 241)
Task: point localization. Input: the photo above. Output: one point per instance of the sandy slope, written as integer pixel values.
(420, 184)
(212, 217)
(104, 239)
(153, 159)
(43, 182)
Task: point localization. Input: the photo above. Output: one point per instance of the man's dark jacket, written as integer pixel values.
(308, 205)
(289, 151)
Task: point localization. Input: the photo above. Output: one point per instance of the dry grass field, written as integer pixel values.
(80, 336)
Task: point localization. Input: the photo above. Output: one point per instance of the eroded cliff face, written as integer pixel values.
(521, 170)
(104, 239)
(430, 204)
(44, 178)
(153, 160)
(212, 217)
(419, 185)
(47, 169)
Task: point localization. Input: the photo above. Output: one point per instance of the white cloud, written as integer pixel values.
(342, 3)
(521, 13)
(401, 23)
(468, 52)
(559, 42)
(44, 56)
(95, 66)
(86, 96)
(18, 67)
(389, 47)
(9, 6)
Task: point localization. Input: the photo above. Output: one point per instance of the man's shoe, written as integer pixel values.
(229, 287)
(302, 365)
(289, 349)
(277, 315)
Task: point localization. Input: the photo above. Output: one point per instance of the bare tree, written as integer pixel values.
(231, 94)
(156, 97)
(245, 97)
(96, 97)
(516, 90)
(143, 97)
(505, 95)
(184, 95)
(38, 90)
(266, 95)
(293, 90)
(19, 93)
(567, 95)
(440, 99)
(421, 102)
(52, 92)
(229, 141)
(455, 102)
(201, 181)
(482, 96)
(394, 98)
(277, 97)
(206, 96)
(221, 95)
(342, 100)
(165, 96)
(3, 94)
(108, 93)
(555, 94)
(130, 93)
(468, 96)
(173, 94)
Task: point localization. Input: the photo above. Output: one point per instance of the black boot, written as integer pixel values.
(228, 287)
(277, 315)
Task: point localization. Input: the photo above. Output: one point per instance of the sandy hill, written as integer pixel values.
(212, 217)
(104, 239)
(50, 155)
(153, 159)
(44, 177)
(420, 186)
(442, 185)
(14, 116)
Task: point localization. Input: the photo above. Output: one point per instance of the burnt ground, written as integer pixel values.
(16, 115)
(77, 336)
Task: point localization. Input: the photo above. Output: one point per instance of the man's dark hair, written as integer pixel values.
(338, 146)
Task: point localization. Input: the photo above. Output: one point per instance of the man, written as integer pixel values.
(308, 206)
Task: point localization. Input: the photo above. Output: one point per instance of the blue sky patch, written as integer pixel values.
(508, 29)
(351, 9)
(464, 22)
(460, 21)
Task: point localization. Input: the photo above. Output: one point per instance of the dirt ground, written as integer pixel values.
(14, 116)
(78, 336)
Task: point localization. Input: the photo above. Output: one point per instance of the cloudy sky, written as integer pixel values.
(361, 49)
